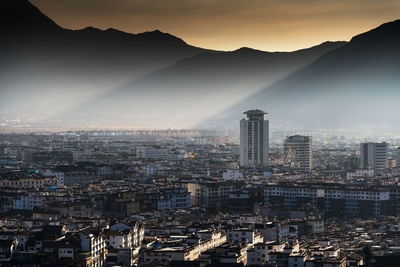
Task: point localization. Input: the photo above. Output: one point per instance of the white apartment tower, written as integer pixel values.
(374, 156)
(254, 139)
(298, 152)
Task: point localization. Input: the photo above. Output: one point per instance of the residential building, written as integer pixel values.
(244, 236)
(254, 139)
(298, 152)
(333, 199)
(212, 195)
(258, 254)
(374, 156)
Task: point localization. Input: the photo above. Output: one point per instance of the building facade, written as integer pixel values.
(374, 156)
(254, 139)
(298, 152)
(334, 200)
(212, 195)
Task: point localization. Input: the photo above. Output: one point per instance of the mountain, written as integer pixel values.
(352, 86)
(51, 76)
(198, 87)
(19, 17)
(44, 66)
(26, 31)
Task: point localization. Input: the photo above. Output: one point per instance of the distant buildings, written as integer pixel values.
(374, 156)
(398, 157)
(32, 181)
(128, 201)
(157, 153)
(254, 139)
(369, 173)
(232, 175)
(298, 152)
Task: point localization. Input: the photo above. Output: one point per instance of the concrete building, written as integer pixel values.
(254, 139)
(298, 152)
(93, 242)
(28, 201)
(59, 175)
(30, 182)
(232, 175)
(212, 195)
(244, 236)
(182, 249)
(174, 199)
(374, 156)
(368, 173)
(156, 152)
(334, 199)
(258, 254)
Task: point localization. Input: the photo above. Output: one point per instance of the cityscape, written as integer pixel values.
(198, 198)
(138, 149)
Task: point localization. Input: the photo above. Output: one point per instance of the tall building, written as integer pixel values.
(374, 156)
(398, 157)
(298, 152)
(254, 139)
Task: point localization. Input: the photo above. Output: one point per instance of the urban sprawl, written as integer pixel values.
(199, 198)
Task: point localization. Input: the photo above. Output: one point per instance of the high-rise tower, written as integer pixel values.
(398, 157)
(254, 139)
(374, 156)
(298, 152)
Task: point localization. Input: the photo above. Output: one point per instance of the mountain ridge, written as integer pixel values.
(156, 77)
(43, 62)
(365, 72)
(214, 79)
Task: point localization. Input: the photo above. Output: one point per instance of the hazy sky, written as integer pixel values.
(230, 24)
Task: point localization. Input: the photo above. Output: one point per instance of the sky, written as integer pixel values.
(271, 25)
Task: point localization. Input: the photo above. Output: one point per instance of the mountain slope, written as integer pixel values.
(200, 86)
(43, 65)
(19, 17)
(356, 84)
(26, 30)
(52, 76)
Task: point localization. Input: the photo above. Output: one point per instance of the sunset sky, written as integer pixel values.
(273, 25)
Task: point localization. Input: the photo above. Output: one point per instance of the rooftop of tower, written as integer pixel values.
(255, 112)
(299, 138)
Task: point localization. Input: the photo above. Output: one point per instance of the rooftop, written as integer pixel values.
(255, 112)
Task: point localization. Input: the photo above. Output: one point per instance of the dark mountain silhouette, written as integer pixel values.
(356, 84)
(48, 72)
(39, 58)
(25, 28)
(19, 17)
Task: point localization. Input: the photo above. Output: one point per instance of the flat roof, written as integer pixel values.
(255, 112)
